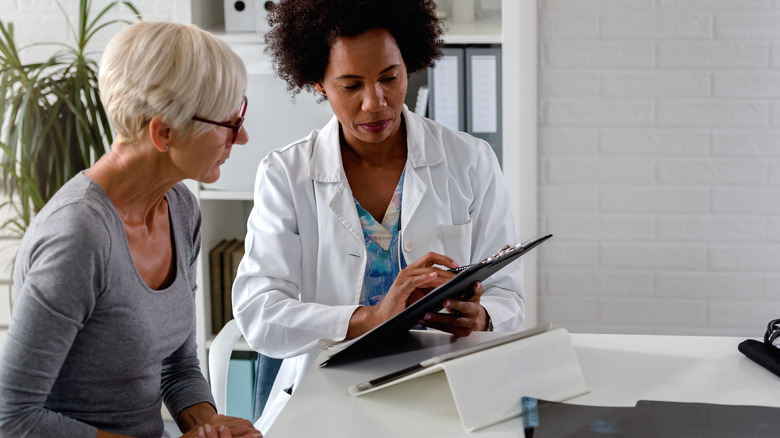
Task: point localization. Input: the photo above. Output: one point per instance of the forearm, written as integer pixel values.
(195, 415)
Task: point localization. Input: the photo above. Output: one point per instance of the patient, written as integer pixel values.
(103, 328)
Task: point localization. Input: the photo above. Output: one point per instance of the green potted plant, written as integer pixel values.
(52, 121)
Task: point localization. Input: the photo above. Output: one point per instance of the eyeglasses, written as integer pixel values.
(235, 127)
(772, 335)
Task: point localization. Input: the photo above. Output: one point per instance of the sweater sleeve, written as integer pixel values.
(57, 277)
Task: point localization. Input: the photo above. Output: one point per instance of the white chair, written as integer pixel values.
(219, 359)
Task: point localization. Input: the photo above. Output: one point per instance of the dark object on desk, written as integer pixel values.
(763, 354)
(460, 287)
(542, 419)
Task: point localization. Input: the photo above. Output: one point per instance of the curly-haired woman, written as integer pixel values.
(366, 215)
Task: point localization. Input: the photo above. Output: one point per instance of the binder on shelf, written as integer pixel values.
(483, 95)
(231, 257)
(465, 92)
(489, 383)
(240, 384)
(215, 274)
(446, 81)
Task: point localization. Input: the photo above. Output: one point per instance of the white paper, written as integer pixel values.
(484, 105)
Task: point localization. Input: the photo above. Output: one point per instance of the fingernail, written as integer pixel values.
(427, 316)
(456, 264)
(420, 321)
(200, 432)
(208, 428)
(447, 303)
(432, 274)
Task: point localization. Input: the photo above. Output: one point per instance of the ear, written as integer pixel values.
(160, 133)
(320, 89)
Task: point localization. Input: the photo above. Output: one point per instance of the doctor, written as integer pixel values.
(364, 216)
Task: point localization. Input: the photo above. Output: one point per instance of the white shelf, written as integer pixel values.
(481, 31)
(485, 31)
(237, 37)
(226, 195)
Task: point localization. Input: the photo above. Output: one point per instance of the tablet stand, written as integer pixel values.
(488, 386)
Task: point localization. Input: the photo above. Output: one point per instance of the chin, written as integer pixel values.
(210, 179)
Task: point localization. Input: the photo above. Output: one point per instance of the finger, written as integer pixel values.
(239, 432)
(427, 280)
(453, 321)
(469, 308)
(456, 330)
(433, 258)
(224, 432)
(478, 292)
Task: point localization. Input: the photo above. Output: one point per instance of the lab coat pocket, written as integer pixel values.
(456, 241)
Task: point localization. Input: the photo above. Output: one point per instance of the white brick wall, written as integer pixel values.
(660, 165)
(659, 159)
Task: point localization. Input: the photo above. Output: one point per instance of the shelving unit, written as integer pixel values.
(225, 212)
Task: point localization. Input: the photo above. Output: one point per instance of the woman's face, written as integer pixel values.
(202, 155)
(365, 82)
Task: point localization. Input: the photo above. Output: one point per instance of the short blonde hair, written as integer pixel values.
(169, 69)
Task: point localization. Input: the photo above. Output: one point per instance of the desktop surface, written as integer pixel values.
(621, 369)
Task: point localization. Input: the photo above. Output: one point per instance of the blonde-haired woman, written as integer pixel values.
(103, 329)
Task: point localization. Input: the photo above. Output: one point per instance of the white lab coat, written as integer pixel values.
(302, 275)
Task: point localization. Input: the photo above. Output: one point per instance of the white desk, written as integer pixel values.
(621, 369)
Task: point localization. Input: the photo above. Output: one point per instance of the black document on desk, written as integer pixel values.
(393, 331)
(649, 419)
(762, 353)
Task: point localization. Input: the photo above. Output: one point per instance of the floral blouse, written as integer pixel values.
(383, 248)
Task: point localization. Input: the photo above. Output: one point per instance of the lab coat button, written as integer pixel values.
(408, 246)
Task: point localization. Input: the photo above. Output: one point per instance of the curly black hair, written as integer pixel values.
(303, 31)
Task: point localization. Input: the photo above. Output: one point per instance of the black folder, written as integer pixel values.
(392, 332)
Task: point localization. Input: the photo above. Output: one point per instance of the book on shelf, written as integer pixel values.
(224, 258)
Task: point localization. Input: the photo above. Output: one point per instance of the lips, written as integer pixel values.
(376, 126)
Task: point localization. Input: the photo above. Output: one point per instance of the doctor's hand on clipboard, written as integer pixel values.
(414, 282)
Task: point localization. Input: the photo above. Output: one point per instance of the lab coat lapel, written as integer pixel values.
(327, 171)
(423, 151)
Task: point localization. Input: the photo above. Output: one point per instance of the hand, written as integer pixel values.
(411, 284)
(202, 415)
(222, 426)
(462, 317)
(207, 431)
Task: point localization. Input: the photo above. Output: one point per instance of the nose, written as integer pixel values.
(242, 137)
(373, 99)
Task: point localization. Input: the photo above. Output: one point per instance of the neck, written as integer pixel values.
(375, 154)
(135, 179)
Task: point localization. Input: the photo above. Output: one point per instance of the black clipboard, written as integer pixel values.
(393, 331)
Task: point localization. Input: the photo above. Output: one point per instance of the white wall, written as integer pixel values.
(660, 165)
(659, 162)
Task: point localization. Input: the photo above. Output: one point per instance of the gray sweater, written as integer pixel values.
(90, 345)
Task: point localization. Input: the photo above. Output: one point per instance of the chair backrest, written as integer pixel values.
(219, 360)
